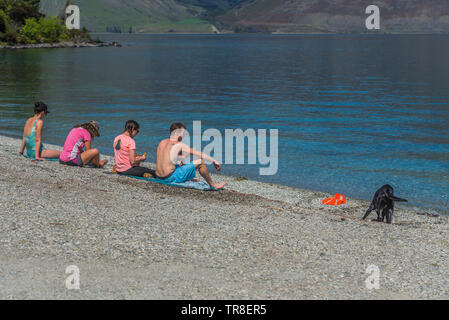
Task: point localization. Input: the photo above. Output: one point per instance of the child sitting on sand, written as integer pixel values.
(79, 137)
(127, 162)
(32, 135)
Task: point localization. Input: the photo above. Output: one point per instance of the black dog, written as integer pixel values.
(383, 203)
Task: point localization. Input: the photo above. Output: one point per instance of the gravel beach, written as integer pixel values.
(134, 239)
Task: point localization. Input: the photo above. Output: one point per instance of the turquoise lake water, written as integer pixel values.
(353, 112)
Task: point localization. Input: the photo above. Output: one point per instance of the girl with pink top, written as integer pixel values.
(80, 137)
(127, 162)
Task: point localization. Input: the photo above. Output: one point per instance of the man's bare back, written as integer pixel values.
(164, 164)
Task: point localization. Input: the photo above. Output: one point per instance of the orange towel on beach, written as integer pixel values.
(335, 200)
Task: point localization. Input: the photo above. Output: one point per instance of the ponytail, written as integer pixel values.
(130, 126)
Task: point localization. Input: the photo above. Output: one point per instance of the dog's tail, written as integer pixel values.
(397, 199)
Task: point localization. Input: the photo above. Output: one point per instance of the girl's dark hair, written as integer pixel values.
(92, 127)
(131, 125)
(39, 107)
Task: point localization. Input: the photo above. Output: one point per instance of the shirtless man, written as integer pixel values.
(169, 150)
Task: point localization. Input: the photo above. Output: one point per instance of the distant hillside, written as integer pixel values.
(401, 16)
(212, 8)
(134, 15)
(295, 16)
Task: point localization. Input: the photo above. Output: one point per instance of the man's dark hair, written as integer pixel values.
(131, 125)
(176, 126)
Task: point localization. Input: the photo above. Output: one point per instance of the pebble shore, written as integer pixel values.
(134, 239)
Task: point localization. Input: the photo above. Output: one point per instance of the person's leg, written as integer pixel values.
(204, 172)
(50, 154)
(202, 169)
(137, 171)
(92, 155)
(142, 171)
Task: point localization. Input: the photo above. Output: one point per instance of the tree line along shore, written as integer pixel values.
(23, 26)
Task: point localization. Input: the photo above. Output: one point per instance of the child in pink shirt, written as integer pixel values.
(80, 137)
(126, 160)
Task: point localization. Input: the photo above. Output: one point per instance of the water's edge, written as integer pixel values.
(110, 155)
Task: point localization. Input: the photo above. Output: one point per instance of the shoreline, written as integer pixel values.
(276, 33)
(134, 239)
(324, 194)
(67, 44)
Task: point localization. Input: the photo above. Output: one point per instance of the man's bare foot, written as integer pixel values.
(195, 180)
(219, 186)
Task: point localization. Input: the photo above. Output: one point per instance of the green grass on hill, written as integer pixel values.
(140, 15)
(191, 25)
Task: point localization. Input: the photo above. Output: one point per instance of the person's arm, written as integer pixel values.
(39, 126)
(87, 145)
(132, 157)
(22, 148)
(141, 158)
(135, 159)
(186, 149)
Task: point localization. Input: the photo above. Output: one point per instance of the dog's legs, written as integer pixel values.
(380, 215)
(371, 208)
(389, 215)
